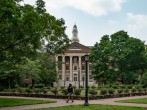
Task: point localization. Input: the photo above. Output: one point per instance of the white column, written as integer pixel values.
(71, 70)
(56, 59)
(63, 68)
(80, 68)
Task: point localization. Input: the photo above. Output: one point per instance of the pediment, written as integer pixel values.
(76, 47)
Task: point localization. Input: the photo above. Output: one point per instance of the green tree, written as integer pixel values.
(47, 66)
(29, 71)
(118, 58)
(25, 30)
(144, 79)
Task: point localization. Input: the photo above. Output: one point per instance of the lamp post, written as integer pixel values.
(86, 81)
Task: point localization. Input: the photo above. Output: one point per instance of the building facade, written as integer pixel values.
(72, 66)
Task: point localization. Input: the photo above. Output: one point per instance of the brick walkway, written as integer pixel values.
(61, 102)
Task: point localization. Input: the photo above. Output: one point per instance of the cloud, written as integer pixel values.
(93, 7)
(137, 25)
(137, 22)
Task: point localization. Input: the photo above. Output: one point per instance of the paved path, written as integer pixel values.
(62, 102)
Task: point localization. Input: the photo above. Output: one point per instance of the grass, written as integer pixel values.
(9, 102)
(137, 101)
(94, 107)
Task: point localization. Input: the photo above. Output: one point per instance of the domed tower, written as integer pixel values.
(75, 34)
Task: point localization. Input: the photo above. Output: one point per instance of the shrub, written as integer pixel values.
(133, 90)
(74, 87)
(28, 90)
(114, 86)
(17, 86)
(62, 87)
(139, 90)
(122, 86)
(93, 87)
(44, 90)
(120, 91)
(129, 86)
(99, 87)
(37, 90)
(144, 79)
(64, 91)
(93, 92)
(20, 90)
(2, 88)
(13, 90)
(81, 87)
(111, 91)
(138, 86)
(55, 91)
(126, 91)
(103, 91)
(49, 87)
(77, 91)
(39, 85)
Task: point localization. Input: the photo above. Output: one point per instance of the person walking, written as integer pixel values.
(70, 93)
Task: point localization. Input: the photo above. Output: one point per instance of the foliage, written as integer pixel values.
(120, 90)
(64, 91)
(55, 91)
(115, 86)
(144, 79)
(103, 91)
(47, 66)
(28, 90)
(126, 91)
(93, 92)
(44, 90)
(118, 58)
(39, 85)
(77, 91)
(111, 91)
(93, 87)
(26, 30)
(133, 90)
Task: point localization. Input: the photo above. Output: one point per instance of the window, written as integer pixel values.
(67, 59)
(67, 78)
(90, 67)
(83, 60)
(83, 67)
(75, 77)
(67, 67)
(83, 78)
(75, 67)
(90, 76)
(60, 76)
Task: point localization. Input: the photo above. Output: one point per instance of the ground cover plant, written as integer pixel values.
(94, 107)
(138, 101)
(9, 102)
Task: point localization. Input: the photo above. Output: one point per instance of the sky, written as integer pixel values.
(95, 18)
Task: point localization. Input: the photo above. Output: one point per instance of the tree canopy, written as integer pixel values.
(118, 57)
(25, 31)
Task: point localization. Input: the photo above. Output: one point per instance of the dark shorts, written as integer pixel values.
(70, 94)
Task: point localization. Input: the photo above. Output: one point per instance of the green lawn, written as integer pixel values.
(9, 102)
(138, 101)
(95, 107)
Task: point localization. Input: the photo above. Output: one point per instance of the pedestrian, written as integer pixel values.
(70, 93)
